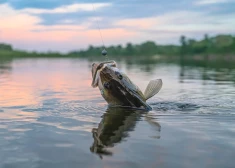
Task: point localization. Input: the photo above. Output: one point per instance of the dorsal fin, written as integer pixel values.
(153, 88)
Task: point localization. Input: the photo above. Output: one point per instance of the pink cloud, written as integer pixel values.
(24, 31)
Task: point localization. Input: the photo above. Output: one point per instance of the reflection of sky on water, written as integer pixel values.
(48, 109)
(30, 82)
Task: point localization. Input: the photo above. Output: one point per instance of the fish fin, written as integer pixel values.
(153, 88)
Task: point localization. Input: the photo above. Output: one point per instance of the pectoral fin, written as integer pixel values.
(153, 88)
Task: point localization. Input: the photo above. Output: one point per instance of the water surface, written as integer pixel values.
(50, 116)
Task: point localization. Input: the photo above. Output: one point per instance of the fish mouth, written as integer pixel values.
(95, 74)
(97, 69)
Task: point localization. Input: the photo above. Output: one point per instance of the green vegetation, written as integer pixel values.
(146, 49)
(216, 46)
(10, 53)
(220, 46)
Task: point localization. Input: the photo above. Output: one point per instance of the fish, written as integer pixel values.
(115, 127)
(118, 90)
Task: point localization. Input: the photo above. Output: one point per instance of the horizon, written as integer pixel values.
(72, 25)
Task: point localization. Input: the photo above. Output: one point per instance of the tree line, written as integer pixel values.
(219, 45)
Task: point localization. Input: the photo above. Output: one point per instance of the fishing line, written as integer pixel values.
(104, 52)
(99, 27)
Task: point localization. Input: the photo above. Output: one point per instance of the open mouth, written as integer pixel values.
(96, 69)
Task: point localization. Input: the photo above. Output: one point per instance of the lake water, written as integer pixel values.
(50, 116)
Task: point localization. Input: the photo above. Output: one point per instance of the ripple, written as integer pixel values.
(63, 145)
(85, 128)
(48, 121)
(51, 102)
(37, 109)
(62, 121)
(176, 106)
(19, 129)
(9, 138)
(15, 107)
(3, 126)
(47, 93)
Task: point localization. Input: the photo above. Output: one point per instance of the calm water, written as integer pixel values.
(50, 116)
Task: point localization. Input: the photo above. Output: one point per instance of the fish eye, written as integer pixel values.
(107, 85)
(119, 75)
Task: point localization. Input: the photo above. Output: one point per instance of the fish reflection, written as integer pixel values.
(115, 126)
(5, 67)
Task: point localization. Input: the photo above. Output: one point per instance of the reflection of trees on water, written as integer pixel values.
(220, 71)
(147, 65)
(5, 66)
(217, 70)
(213, 70)
(115, 127)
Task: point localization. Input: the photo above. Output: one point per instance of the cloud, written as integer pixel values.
(118, 9)
(208, 2)
(77, 7)
(169, 27)
(182, 21)
(24, 31)
(67, 25)
(11, 19)
(38, 4)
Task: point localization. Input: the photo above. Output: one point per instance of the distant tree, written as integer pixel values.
(119, 47)
(183, 45)
(221, 44)
(207, 43)
(5, 47)
(129, 49)
(183, 41)
(148, 48)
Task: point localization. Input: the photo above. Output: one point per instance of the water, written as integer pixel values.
(50, 116)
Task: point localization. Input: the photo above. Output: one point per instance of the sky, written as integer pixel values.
(68, 25)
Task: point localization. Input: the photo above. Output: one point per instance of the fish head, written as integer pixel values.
(103, 72)
(115, 86)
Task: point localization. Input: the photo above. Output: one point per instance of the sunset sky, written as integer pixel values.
(65, 25)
